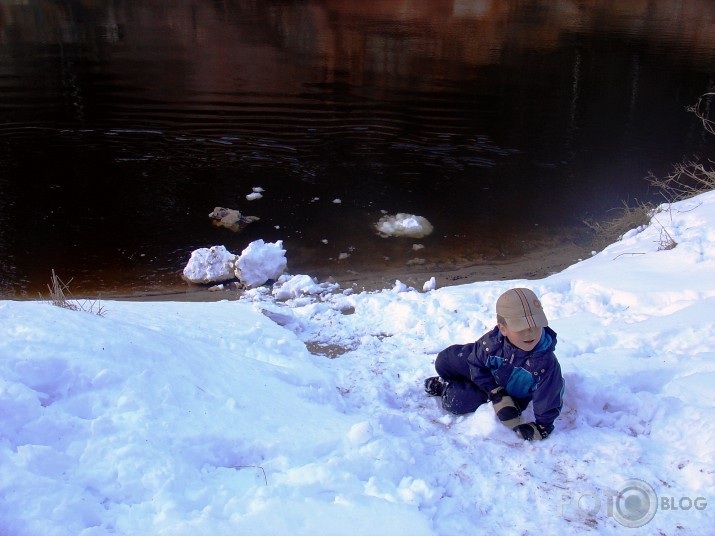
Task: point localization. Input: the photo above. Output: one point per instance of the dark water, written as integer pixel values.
(125, 122)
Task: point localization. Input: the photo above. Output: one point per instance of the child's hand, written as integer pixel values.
(531, 431)
(505, 408)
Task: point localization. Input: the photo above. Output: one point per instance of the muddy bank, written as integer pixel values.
(532, 264)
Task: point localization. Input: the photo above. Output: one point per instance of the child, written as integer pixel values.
(511, 365)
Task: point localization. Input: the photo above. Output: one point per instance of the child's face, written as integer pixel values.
(524, 340)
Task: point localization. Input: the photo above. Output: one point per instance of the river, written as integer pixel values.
(503, 123)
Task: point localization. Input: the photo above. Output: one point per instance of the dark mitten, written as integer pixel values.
(434, 386)
(505, 408)
(531, 431)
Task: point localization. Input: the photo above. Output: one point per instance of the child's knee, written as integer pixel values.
(459, 402)
(445, 355)
(450, 363)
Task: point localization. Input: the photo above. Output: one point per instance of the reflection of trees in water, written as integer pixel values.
(388, 45)
(136, 59)
(420, 97)
(471, 30)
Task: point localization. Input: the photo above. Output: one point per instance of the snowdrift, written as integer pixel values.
(231, 417)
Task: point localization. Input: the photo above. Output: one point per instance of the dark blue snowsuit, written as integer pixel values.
(472, 370)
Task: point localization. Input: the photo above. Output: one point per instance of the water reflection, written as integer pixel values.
(124, 123)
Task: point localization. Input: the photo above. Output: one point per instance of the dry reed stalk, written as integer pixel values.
(60, 296)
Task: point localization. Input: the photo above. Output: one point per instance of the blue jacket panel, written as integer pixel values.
(535, 375)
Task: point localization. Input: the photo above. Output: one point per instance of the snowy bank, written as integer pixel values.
(211, 418)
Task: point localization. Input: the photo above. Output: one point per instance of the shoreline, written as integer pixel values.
(535, 264)
(535, 258)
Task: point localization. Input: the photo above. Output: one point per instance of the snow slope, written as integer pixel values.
(307, 415)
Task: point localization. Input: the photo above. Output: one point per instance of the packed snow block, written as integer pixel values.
(403, 224)
(260, 262)
(210, 265)
(429, 285)
(288, 287)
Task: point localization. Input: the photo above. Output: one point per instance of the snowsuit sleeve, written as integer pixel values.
(481, 373)
(548, 397)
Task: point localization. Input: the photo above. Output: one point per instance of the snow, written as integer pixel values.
(256, 193)
(402, 224)
(301, 410)
(207, 265)
(257, 263)
(431, 284)
(288, 287)
(261, 261)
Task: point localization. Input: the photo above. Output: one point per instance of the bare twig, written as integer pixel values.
(697, 110)
(265, 478)
(690, 178)
(627, 253)
(666, 241)
(687, 179)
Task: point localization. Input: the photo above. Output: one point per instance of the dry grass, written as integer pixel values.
(60, 296)
(630, 217)
(612, 230)
(688, 179)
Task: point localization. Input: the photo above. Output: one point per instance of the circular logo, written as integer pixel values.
(635, 504)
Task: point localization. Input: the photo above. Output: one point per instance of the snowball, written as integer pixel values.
(415, 491)
(337, 201)
(210, 265)
(404, 225)
(360, 433)
(297, 286)
(260, 262)
(288, 287)
(254, 196)
(400, 287)
(481, 424)
(430, 285)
